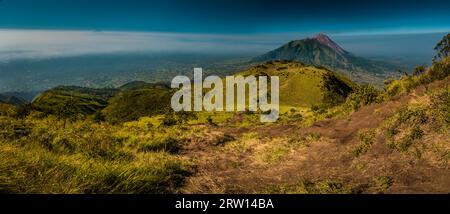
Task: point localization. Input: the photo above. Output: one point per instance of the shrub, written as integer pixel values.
(440, 105)
(319, 187)
(383, 183)
(366, 139)
(416, 133)
(391, 131)
(363, 95)
(185, 116)
(419, 70)
(335, 89)
(405, 142)
(393, 89)
(319, 109)
(443, 47)
(169, 120)
(412, 115)
(409, 120)
(224, 139)
(410, 83)
(210, 121)
(438, 71)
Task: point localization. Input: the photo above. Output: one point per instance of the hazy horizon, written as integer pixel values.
(96, 43)
(41, 44)
(58, 28)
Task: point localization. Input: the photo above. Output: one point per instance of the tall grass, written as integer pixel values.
(52, 156)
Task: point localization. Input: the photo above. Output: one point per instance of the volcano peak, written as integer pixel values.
(326, 40)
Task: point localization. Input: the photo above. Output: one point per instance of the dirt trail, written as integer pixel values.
(368, 117)
(345, 129)
(327, 159)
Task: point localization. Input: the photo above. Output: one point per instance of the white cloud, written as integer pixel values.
(50, 43)
(15, 44)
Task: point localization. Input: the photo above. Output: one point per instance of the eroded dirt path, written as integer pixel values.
(237, 167)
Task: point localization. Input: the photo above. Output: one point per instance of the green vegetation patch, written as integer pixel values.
(131, 105)
(305, 86)
(317, 187)
(72, 102)
(366, 139)
(167, 144)
(38, 171)
(49, 155)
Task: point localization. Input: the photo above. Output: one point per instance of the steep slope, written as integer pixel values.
(399, 145)
(322, 51)
(132, 104)
(305, 86)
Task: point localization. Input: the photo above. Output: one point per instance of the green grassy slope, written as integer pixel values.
(133, 104)
(305, 86)
(73, 101)
(300, 86)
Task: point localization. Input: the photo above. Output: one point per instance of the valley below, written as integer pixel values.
(346, 126)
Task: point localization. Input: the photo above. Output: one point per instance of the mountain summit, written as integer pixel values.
(324, 39)
(321, 50)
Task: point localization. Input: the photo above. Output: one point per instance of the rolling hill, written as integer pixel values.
(300, 86)
(73, 101)
(305, 86)
(128, 102)
(390, 141)
(132, 104)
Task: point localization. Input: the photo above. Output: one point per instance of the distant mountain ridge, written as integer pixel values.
(321, 50)
(12, 100)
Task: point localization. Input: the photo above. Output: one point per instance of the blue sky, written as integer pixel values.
(31, 28)
(228, 16)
